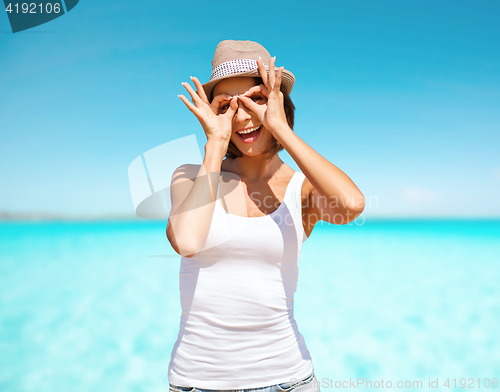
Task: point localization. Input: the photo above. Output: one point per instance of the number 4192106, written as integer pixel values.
(33, 8)
(470, 383)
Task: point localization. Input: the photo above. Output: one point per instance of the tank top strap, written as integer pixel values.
(218, 186)
(294, 192)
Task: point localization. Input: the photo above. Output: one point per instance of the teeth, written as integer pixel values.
(249, 130)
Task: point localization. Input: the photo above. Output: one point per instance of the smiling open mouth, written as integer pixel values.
(250, 135)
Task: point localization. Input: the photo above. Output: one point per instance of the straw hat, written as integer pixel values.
(238, 59)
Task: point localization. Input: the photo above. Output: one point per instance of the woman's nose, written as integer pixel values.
(242, 113)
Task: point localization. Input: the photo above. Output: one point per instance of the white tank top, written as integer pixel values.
(237, 328)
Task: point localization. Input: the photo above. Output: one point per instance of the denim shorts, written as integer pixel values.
(307, 384)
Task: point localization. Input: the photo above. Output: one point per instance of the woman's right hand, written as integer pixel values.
(217, 127)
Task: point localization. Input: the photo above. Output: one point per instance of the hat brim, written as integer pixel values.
(287, 80)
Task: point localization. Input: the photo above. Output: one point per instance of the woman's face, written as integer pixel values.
(253, 143)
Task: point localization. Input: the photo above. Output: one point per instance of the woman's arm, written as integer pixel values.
(192, 201)
(332, 196)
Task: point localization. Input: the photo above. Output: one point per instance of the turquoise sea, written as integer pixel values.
(94, 306)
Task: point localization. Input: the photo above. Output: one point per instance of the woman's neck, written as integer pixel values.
(253, 168)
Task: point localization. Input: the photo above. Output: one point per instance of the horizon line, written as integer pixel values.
(6, 216)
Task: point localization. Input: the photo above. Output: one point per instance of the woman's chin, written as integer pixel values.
(251, 149)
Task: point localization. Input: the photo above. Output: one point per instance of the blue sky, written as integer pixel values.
(403, 96)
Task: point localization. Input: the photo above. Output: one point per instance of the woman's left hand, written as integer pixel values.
(271, 114)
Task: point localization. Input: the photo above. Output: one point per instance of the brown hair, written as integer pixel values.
(232, 150)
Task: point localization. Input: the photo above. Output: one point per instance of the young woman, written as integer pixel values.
(239, 220)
